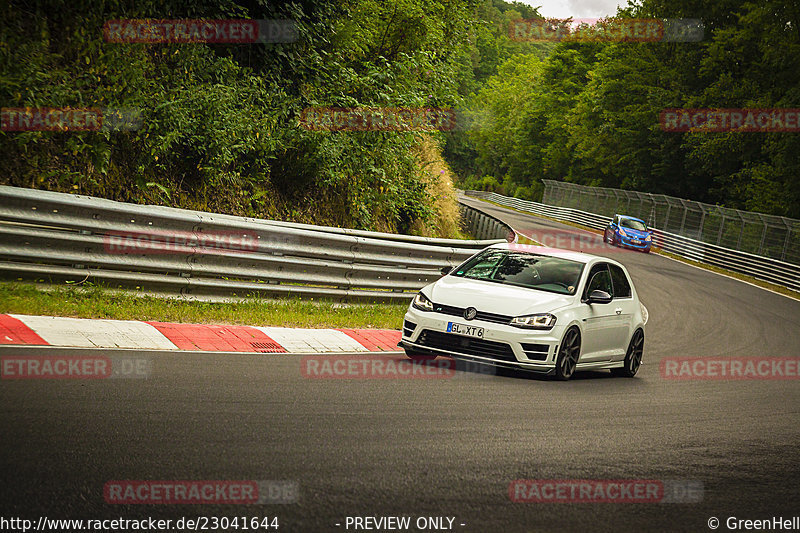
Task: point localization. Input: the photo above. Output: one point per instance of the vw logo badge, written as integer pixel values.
(470, 312)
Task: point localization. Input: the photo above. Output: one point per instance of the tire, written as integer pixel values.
(605, 236)
(646, 250)
(613, 239)
(633, 357)
(416, 356)
(569, 352)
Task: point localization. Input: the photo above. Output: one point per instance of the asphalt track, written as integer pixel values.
(439, 447)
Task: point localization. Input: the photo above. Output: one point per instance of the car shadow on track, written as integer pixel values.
(475, 368)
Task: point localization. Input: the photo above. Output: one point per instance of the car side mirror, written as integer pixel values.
(598, 297)
(446, 270)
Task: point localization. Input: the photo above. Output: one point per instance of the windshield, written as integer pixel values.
(632, 224)
(523, 269)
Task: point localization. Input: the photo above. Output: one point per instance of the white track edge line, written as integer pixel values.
(796, 299)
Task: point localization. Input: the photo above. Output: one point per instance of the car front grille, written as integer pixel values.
(482, 315)
(466, 345)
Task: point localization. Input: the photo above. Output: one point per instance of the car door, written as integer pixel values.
(624, 308)
(599, 320)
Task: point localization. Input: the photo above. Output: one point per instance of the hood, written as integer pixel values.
(494, 297)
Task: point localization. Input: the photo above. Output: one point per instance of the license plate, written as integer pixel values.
(461, 329)
(636, 241)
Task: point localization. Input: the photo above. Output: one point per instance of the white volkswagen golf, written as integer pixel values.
(518, 306)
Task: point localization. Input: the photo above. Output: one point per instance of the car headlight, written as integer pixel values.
(422, 303)
(540, 321)
(648, 238)
(622, 232)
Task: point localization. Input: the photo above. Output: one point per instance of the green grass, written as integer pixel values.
(97, 302)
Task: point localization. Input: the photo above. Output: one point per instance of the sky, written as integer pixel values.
(576, 8)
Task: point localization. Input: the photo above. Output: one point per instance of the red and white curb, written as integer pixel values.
(132, 334)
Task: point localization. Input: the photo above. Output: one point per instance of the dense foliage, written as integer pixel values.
(588, 112)
(220, 121)
(220, 125)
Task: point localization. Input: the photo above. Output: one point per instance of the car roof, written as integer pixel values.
(579, 257)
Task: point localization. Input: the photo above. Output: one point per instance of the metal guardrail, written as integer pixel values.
(51, 236)
(763, 268)
(484, 226)
(733, 229)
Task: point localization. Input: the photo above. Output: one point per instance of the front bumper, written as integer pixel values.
(425, 332)
(628, 243)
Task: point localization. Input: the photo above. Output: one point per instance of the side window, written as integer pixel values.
(622, 289)
(599, 280)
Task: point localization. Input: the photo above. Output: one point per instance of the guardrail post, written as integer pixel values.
(721, 227)
(702, 221)
(473, 222)
(763, 236)
(666, 219)
(683, 220)
(786, 242)
(741, 232)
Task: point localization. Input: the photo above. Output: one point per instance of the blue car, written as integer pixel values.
(628, 232)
